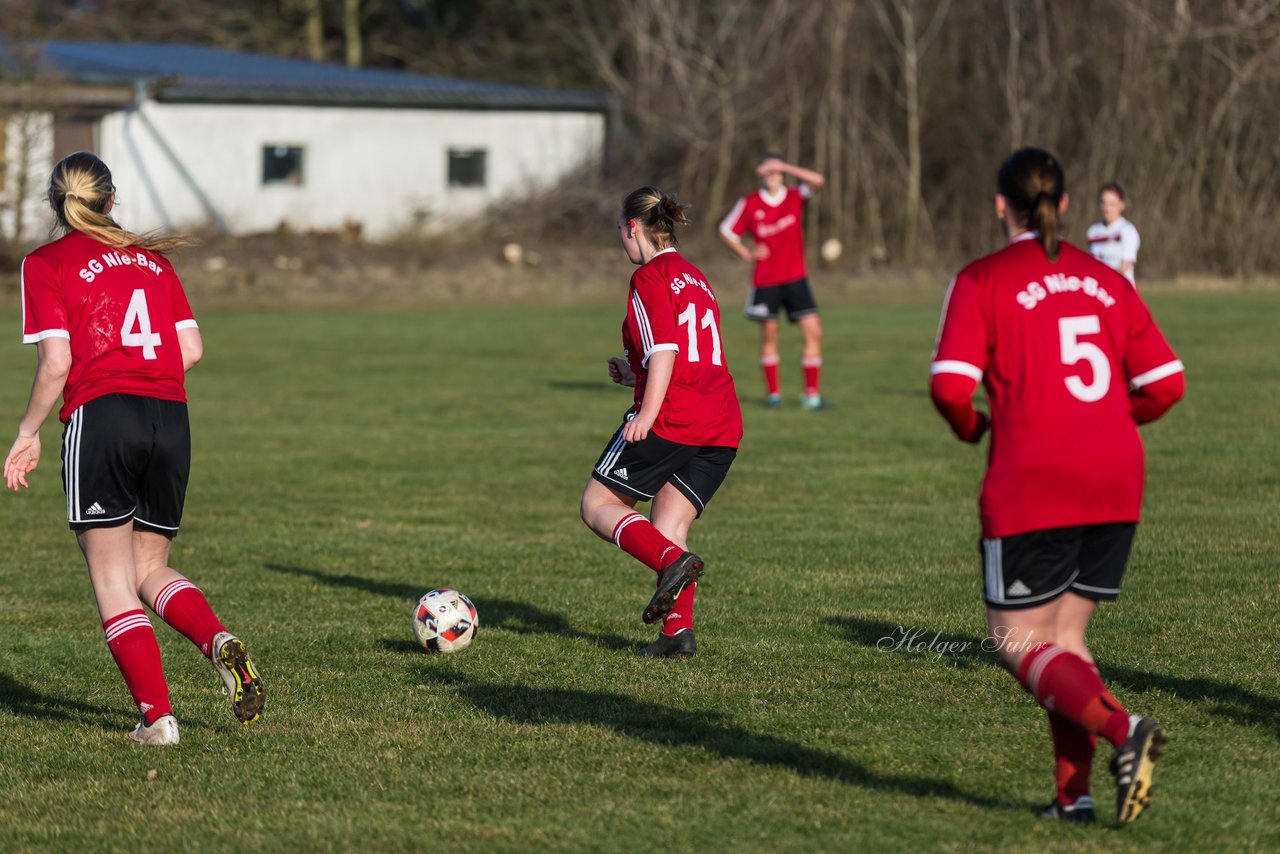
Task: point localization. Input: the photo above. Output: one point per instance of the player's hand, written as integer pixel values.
(759, 252)
(23, 457)
(637, 429)
(980, 428)
(620, 372)
(773, 164)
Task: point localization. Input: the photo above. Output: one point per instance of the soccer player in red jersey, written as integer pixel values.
(1072, 362)
(114, 338)
(677, 441)
(774, 217)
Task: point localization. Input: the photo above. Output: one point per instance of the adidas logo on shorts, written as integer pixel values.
(622, 473)
(95, 509)
(1017, 588)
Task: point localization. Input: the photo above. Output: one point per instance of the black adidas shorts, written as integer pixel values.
(126, 458)
(1031, 569)
(796, 297)
(643, 468)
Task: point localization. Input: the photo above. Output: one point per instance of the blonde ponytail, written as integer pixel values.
(79, 190)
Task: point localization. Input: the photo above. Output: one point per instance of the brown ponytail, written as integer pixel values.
(657, 213)
(79, 190)
(1032, 183)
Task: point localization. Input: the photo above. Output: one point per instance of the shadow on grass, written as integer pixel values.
(506, 614)
(671, 727)
(1239, 705)
(24, 700)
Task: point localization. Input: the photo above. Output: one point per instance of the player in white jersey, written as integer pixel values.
(1114, 241)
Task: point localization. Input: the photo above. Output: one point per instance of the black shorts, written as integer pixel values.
(1031, 569)
(643, 468)
(126, 458)
(796, 297)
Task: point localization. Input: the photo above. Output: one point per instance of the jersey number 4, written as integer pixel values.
(137, 315)
(1074, 351)
(690, 316)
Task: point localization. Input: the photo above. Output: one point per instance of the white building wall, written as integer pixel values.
(181, 166)
(28, 149)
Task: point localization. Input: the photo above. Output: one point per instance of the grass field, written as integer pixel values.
(346, 462)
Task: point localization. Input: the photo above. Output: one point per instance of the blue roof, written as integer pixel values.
(185, 72)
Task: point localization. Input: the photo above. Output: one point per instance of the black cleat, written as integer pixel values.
(1133, 765)
(680, 645)
(687, 569)
(1081, 811)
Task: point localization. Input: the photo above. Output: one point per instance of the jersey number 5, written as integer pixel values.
(689, 316)
(1074, 350)
(137, 315)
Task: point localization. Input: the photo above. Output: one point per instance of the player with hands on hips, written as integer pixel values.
(1114, 241)
(774, 219)
(115, 337)
(676, 443)
(1072, 362)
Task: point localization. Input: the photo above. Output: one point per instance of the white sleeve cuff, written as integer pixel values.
(644, 363)
(186, 324)
(48, 333)
(954, 366)
(1168, 369)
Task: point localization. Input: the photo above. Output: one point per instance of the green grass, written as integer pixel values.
(346, 462)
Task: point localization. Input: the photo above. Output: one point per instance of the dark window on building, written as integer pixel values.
(466, 167)
(282, 164)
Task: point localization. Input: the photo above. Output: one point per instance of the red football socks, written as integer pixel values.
(133, 645)
(769, 364)
(681, 615)
(636, 536)
(1065, 683)
(812, 373)
(181, 604)
(1073, 748)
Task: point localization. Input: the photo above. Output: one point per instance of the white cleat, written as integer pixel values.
(164, 730)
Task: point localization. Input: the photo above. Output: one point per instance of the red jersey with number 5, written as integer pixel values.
(121, 309)
(670, 306)
(1064, 350)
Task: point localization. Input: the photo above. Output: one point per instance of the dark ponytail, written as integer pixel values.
(1032, 183)
(656, 212)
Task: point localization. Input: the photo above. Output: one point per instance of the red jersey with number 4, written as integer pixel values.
(120, 308)
(1065, 351)
(774, 222)
(670, 306)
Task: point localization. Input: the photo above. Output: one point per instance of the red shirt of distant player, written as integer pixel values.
(1060, 348)
(121, 310)
(670, 306)
(774, 222)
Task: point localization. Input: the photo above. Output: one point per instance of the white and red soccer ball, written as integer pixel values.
(445, 621)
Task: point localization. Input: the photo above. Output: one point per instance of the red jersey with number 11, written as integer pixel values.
(1064, 350)
(121, 309)
(670, 306)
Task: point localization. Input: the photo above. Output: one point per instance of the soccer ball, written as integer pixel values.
(445, 621)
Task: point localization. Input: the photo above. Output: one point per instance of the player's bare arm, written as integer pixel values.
(192, 347)
(808, 176)
(661, 365)
(53, 364)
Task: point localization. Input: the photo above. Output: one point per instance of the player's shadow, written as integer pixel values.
(672, 727)
(505, 614)
(24, 700)
(1239, 705)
